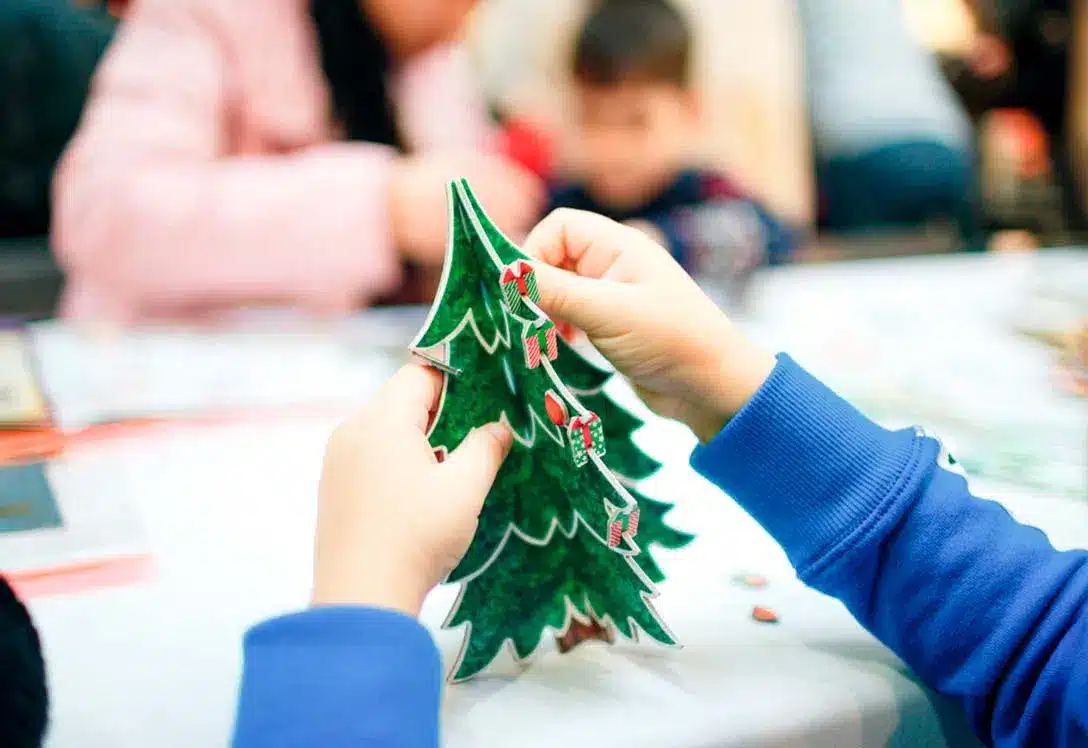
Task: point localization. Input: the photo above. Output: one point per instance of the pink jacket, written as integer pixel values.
(205, 172)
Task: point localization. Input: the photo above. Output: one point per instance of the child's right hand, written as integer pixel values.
(648, 317)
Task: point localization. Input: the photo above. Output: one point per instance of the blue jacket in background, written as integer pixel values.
(983, 609)
(710, 225)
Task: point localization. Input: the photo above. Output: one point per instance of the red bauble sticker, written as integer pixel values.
(557, 409)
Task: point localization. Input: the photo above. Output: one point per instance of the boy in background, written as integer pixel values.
(637, 116)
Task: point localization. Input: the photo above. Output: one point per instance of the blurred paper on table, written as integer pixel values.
(95, 378)
(21, 401)
(1053, 301)
(910, 342)
(384, 328)
(65, 517)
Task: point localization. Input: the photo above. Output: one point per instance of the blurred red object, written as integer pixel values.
(1022, 135)
(528, 145)
(23, 445)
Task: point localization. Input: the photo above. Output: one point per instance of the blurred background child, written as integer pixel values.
(637, 117)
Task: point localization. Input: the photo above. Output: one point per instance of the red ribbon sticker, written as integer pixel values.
(524, 270)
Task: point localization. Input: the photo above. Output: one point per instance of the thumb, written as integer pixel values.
(472, 467)
(586, 303)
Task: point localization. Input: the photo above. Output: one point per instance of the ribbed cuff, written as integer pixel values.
(810, 468)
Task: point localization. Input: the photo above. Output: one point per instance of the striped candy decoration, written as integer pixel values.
(615, 534)
(627, 525)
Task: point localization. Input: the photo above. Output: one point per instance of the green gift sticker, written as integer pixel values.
(26, 499)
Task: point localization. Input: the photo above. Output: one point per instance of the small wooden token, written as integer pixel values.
(753, 581)
(764, 615)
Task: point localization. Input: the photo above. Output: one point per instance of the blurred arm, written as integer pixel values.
(439, 105)
(151, 206)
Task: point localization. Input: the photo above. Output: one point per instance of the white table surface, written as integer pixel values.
(229, 511)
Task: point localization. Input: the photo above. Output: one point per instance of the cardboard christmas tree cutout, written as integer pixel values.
(556, 542)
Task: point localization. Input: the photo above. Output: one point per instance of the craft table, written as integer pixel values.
(229, 511)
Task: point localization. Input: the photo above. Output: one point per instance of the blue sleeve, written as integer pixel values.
(983, 608)
(339, 676)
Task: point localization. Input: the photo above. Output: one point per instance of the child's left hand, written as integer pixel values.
(393, 521)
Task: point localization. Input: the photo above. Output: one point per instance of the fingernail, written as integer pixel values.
(500, 432)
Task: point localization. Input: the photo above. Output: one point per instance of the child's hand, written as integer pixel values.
(648, 317)
(392, 521)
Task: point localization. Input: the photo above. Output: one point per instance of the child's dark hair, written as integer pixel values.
(642, 41)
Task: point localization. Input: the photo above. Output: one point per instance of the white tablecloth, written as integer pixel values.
(229, 511)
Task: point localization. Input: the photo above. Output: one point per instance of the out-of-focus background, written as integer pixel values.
(222, 221)
(807, 107)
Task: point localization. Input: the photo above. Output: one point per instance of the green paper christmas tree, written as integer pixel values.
(556, 544)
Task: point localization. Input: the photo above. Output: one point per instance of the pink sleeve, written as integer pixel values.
(151, 210)
(439, 105)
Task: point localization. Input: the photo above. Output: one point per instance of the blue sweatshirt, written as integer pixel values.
(983, 609)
